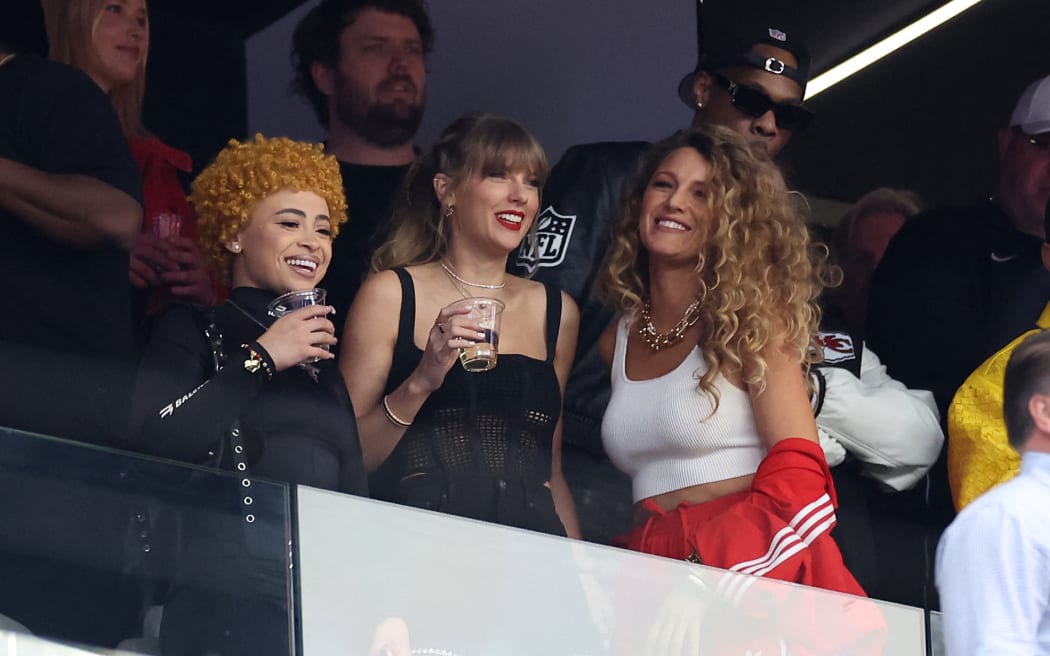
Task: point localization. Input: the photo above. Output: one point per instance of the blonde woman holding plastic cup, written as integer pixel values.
(481, 443)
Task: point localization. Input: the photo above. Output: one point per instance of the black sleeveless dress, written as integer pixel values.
(480, 446)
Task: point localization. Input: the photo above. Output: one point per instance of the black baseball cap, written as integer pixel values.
(728, 40)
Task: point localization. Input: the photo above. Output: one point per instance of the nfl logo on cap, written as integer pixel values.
(777, 34)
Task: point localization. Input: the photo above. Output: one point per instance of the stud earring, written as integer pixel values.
(236, 248)
(450, 210)
(699, 105)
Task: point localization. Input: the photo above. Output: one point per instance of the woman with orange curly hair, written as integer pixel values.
(716, 287)
(267, 212)
(228, 386)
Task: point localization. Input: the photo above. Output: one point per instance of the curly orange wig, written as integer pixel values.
(243, 174)
(758, 273)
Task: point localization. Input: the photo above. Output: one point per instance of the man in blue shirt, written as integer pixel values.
(993, 562)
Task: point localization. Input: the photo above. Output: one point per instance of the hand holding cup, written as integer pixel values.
(289, 303)
(302, 335)
(487, 314)
(454, 329)
(151, 257)
(190, 280)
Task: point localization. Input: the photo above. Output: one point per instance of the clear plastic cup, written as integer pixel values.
(293, 301)
(167, 225)
(488, 312)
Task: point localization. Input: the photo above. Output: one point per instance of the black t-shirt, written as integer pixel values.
(581, 203)
(55, 119)
(297, 427)
(940, 296)
(369, 192)
(67, 323)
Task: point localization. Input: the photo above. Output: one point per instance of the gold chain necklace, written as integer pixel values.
(657, 340)
(459, 287)
(449, 271)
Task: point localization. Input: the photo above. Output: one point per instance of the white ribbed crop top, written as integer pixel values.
(658, 430)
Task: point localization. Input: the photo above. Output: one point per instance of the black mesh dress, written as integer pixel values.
(480, 446)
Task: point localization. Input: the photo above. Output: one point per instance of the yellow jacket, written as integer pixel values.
(979, 454)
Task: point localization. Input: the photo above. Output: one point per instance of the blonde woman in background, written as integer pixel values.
(109, 40)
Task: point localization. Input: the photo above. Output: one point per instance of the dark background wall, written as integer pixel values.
(579, 70)
(571, 71)
(926, 116)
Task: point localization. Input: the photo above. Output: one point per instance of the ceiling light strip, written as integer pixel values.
(869, 56)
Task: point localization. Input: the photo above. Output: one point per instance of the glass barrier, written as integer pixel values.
(18, 643)
(107, 549)
(392, 581)
(103, 548)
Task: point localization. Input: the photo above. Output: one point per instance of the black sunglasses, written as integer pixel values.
(754, 103)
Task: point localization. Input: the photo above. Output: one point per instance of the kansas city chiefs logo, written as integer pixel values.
(552, 241)
(837, 347)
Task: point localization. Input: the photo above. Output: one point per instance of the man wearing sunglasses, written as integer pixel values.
(751, 80)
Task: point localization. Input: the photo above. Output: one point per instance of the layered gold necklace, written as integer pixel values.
(656, 340)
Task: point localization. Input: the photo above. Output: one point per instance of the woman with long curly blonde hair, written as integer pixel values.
(715, 282)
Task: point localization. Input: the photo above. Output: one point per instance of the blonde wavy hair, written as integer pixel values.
(473, 144)
(70, 26)
(759, 275)
(226, 192)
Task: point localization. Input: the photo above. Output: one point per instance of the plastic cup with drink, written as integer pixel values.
(488, 312)
(292, 301)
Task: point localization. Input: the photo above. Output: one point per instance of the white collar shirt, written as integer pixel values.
(993, 568)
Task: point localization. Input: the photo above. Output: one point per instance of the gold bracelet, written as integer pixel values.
(394, 419)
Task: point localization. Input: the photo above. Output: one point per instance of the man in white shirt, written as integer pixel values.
(993, 562)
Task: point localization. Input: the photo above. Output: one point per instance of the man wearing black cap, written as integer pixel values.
(751, 78)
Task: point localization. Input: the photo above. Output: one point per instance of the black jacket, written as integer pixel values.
(295, 429)
(581, 203)
(954, 287)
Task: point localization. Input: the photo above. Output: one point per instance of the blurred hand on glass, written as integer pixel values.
(390, 638)
(676, 630)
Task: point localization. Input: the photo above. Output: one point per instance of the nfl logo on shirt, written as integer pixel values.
(551, 243)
